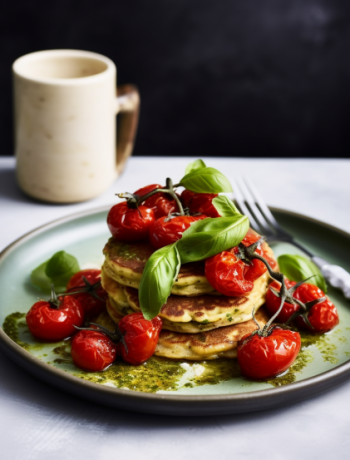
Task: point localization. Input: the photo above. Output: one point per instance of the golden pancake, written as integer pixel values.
(214, 344)
(116, 312)
(191, 314)
(124, 262)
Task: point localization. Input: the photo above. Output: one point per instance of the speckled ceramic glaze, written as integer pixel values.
(324, 362)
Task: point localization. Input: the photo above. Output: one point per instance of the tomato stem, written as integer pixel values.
(169, 185)
(137, 200)
(115, 336)
(247, 254)
(54, 301)
(88, 289)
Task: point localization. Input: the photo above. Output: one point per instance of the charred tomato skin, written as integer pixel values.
(140, 337)
(166, 231)
(126, 224)
(161, 203)
(52, 325)
(91, 305)
(93, 351)
(261, 357)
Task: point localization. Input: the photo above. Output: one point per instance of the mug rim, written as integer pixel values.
(110, 69)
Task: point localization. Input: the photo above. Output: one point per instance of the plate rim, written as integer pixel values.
(122, 398)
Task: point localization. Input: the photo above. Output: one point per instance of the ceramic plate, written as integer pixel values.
(177, 388)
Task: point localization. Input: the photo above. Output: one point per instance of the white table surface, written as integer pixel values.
(40, 422)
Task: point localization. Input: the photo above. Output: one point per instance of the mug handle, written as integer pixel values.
(127, 103)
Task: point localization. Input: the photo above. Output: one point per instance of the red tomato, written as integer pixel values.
(186, 197)
(148, 188)
(163, 231)
(323, 316)
(93, 351)
(226, 274)
(161, 203)
(257, 268)
(264, 357)
(127, 224)
(140, 337)
(200, 202)
(92, 306)
(231, 276)
(273, 302)
(53, 324)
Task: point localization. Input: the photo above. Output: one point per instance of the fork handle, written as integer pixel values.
(335, 275)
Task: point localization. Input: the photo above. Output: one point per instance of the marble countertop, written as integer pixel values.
(39, 422)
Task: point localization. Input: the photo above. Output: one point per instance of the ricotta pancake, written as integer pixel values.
(190, 314)
(124, 262)
(219, 343)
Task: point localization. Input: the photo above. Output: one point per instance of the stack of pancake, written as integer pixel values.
(198, 322)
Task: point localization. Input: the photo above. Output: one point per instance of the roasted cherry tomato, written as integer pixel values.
(166, 231)
(257, 268)
(200, 202)
(273, 302)
(264, 357)
(161, 203)
(232, 277)
(225, 272)
(140, 337)
(128, 224)
(92, 305)
(186, 197)
(323, 316)
(93, 351)
(51, 324)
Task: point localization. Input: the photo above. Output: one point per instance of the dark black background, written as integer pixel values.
(224, 77)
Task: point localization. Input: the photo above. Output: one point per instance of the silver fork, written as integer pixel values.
(261, 220)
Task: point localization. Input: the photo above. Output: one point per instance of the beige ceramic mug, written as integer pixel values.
(65, 104)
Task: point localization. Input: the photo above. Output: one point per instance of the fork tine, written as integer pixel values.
(263, 207)
(264, 225)
(240, 201)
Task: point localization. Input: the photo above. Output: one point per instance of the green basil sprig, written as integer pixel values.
(225, 207)
(57, 271)
(205, 180)
(298, 268)
(208, 237)
(159, 274)
(197, 164)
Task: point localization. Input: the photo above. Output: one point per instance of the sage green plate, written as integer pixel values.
(168, 387)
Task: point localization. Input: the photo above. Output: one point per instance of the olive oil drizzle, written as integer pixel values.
(161, 374)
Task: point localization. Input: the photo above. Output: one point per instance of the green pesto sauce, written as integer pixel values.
(160, 374)
(11, 327)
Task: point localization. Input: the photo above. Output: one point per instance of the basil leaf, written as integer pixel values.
(159, 274)
(57, 271)
(39, 278)
(198, 164)
(206, 180)
(298, 268)
(225, 207)
(208, 237)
